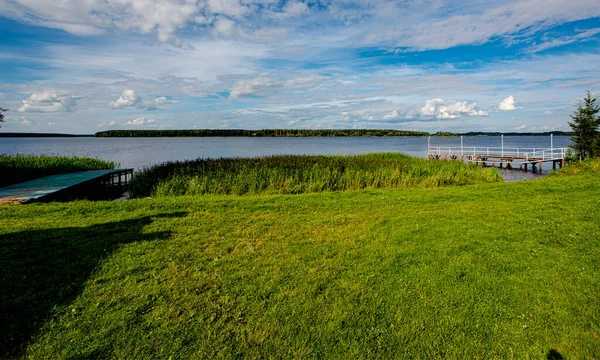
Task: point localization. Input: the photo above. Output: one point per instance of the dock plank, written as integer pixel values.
(38, 188)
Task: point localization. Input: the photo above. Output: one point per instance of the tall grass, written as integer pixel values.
(579, 167)
(19, 168)
(292, 174)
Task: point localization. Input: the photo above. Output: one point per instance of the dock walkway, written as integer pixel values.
(81, 184)
(504, 157)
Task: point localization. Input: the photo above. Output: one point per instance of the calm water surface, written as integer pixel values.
(143, 152)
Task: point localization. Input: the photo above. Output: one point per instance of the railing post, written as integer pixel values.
(461, 145)
(428, 146)
(502, 137)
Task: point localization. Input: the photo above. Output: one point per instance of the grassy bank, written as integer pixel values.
(18, 168)
(494, 271)
(293, 174)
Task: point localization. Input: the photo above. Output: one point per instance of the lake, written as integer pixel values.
(142, 152)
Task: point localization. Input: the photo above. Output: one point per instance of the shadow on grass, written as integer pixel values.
(554, 355)
(43, 269)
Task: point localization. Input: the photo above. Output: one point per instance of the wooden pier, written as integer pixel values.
(503, 157)
(94, 185)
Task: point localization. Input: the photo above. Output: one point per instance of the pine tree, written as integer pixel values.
(586, 140)
(2, 110)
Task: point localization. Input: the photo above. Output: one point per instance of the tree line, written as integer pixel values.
(257, 133)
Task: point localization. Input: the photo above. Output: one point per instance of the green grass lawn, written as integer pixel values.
(503, 270)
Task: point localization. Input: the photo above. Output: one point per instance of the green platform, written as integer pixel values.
(38, 188)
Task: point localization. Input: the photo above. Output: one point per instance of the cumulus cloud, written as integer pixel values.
(111, 123)
(140, 121)
(127, 99)
(442, 109)
(547, 113)
(164, 101)
(507, 104)
(48, 102)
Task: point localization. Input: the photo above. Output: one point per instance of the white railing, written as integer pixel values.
(496, 152)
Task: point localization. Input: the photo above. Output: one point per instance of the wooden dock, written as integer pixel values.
(503, 157)
(95, 185)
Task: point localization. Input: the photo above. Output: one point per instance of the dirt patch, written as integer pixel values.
(12, 201)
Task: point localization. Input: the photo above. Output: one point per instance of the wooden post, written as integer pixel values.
(540, 164)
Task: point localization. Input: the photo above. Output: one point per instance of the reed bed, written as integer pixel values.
(293, 174)
(19, 168)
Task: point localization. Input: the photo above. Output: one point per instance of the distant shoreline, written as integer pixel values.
(36, 135)
(275, 133)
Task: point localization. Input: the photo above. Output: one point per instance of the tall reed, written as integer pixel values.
(19, 168)
(293, 174)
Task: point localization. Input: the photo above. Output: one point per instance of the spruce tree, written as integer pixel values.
(586, 140)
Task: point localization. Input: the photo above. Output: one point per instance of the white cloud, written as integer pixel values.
(224, 27)
(127, 99)
(91, 17)
(230, 8)
(47, 102)
(303, 82)
(442, 109)
(291, 9)
(564, 40)
(164, 101)
(140, 121)
(547, 113)
(249, 87)
(392, 115)
(112, 123)
(474, 26)
(25, 120)
(507, 104)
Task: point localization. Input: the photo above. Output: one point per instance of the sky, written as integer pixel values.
(82, 66)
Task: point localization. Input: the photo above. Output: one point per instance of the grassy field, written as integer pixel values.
(293, 174)
(18, 168)
(489, 271)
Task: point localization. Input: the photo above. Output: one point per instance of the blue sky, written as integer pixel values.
(433, 65)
